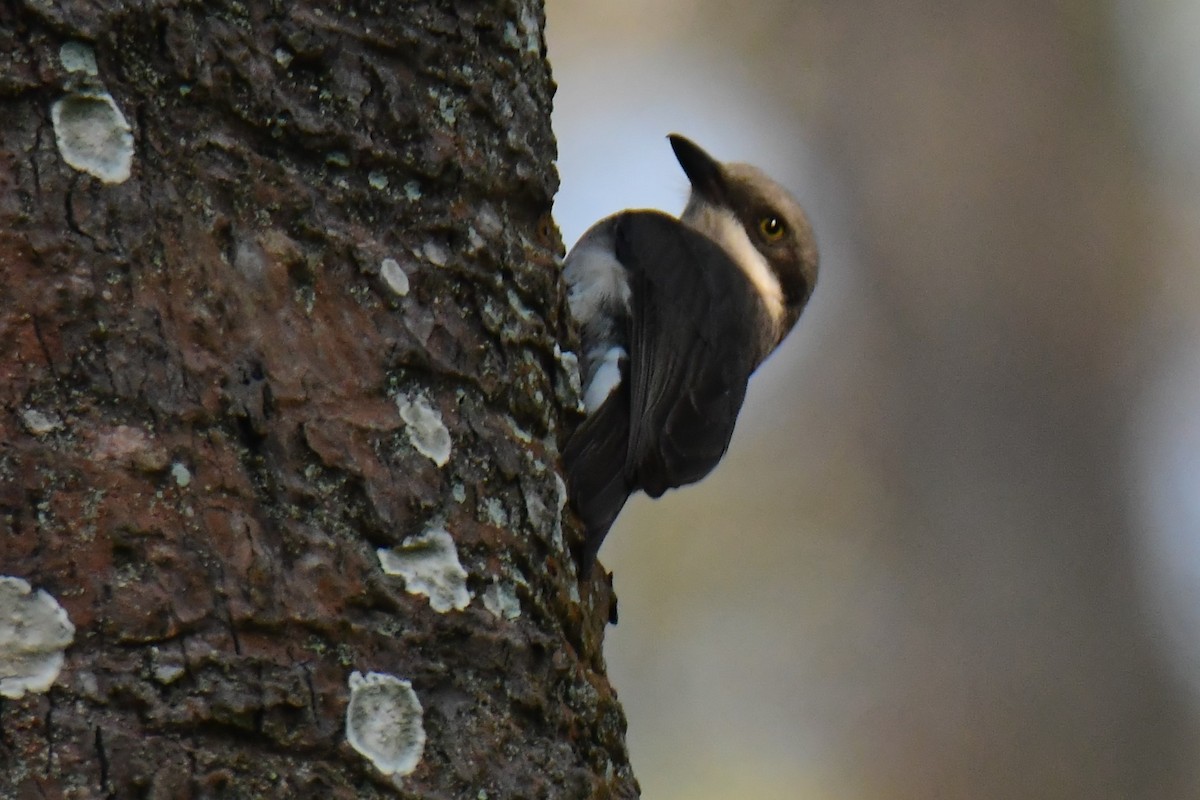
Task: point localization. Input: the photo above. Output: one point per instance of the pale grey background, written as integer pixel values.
(954, 551)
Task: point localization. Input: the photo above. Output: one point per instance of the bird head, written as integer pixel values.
(758, 222)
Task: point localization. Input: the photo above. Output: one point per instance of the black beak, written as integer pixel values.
(702, 170)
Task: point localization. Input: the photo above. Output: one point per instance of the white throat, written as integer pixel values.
(725, 229)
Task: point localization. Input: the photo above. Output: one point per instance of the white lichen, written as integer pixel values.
(519, 432)
(496, 514)
(517, 305)
(573, 390)
(489, 220)
(93, 135)
(385, 722)
(528, 38)
(429, 564)
(377, 180)
(394, 276)
(560, 487)
(250, 260)
(167, 665)
(448, 106)
(40, 423)
(182, 476)
(426, 430)
(475, 242)
(435, 253)
(543, 512)
(510, 36)
(34, 632)
(86, 684)
(167, 674)
(501, 599)
(532, 30)
(78, 57)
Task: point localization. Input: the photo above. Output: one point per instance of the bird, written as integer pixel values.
(674, 314)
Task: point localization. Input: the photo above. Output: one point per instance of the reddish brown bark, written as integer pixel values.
(200, 365)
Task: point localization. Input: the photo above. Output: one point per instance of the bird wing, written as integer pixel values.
(694, 328)
(691, 335)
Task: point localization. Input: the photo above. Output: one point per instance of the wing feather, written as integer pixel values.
(692, 327)
(694, 322)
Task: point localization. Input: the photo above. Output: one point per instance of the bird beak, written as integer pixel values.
(705, 173)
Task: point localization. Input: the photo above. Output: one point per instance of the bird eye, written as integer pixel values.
(772, 228)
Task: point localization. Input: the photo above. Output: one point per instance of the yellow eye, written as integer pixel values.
(772, 228)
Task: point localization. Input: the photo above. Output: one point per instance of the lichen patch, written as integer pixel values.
(560, 488)
(435, 253)
(93, 135)
(34, 632)
(181, 474)
(429, 564)
(40, 423)
(78, 57)
(394, 276)
(385, 722)
(501, 599)
(426, 430)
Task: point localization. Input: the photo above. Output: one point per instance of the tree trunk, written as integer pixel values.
(282, 405)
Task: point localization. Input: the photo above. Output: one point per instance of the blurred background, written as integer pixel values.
(954, 551)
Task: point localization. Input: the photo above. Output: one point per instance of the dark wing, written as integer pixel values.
(692, 328)
(693, 333)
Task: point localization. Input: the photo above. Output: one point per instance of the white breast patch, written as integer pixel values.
(595, 279)
(605, 378)
(598, 292)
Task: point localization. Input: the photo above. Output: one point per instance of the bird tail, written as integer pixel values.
(598, 486)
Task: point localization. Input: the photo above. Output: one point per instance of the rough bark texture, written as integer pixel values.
(202, 368)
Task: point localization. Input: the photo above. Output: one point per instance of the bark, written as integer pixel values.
(307, 308)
